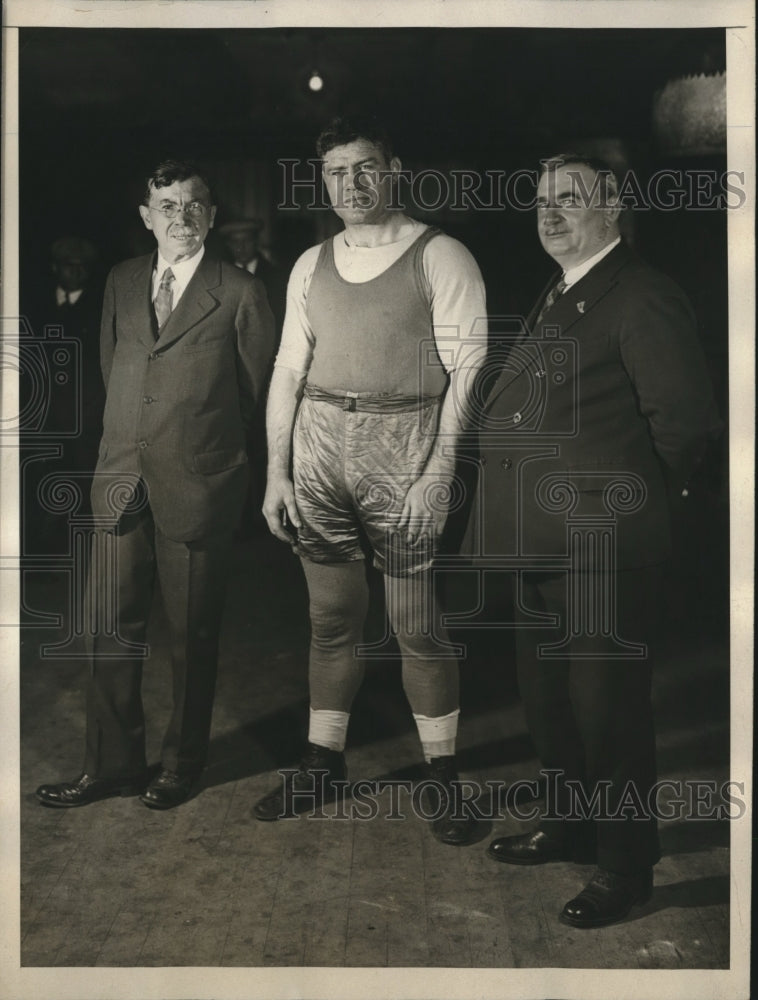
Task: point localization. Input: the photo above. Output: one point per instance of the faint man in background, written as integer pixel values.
(62, 304)
(78, 305)
(242, 238)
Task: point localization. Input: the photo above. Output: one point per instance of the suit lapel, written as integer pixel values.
(195, 304)
(138, 305)
(518, 358)
(578, 301)
(574, 305)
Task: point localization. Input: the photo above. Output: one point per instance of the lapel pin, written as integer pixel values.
(580, 306)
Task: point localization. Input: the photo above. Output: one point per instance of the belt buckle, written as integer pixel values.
(349, 402)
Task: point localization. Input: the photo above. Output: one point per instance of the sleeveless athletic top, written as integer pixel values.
(374, 336)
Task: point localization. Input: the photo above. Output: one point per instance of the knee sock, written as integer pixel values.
(328, 729)
(437, 735)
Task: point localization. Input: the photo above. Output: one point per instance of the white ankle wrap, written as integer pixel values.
(328, 729)
(437, 735)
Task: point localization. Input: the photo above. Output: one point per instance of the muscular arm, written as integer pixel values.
(283, 401)
(284, 397)
(459, 318)
(285, 393)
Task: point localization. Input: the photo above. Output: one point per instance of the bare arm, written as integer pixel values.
(279, 506)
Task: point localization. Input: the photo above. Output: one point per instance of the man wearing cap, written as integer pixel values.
(367, 404)
(185, 348)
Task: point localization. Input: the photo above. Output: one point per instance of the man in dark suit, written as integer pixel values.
(185, 348)
(595, 421)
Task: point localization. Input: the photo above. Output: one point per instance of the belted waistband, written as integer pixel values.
(369, 402)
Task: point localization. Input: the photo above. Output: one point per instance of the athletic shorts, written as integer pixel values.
(355, 455)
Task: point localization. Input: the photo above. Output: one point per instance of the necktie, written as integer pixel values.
(162, 303)
(550, 299)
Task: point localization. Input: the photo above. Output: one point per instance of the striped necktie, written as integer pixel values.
(550, 299)
(163, 300)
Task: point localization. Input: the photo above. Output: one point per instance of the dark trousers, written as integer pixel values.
(591, 718)
(192, 577)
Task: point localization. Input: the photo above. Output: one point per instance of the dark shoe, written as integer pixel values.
(306, 789)
(169, 789)
(535, 848)
(87, 789)
(452, 821)
(608, 897)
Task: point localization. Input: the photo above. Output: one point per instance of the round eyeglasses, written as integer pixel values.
(170, 209)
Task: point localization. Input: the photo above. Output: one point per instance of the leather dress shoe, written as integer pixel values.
(452, 823)
(312, 785)
(608, 897)
(86, 789)
(535, 848)
(168, 789)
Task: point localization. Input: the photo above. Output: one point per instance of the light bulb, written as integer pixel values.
(316, 82)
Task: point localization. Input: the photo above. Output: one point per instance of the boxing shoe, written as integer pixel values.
(450, 818)
(308, 788)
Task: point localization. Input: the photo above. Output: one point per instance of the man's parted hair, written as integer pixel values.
(169, 171)
(609, 184)
(341, 131)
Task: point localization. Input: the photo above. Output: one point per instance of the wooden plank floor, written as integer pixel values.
(116, 884)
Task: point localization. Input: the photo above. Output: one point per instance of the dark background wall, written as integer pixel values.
(99, 108)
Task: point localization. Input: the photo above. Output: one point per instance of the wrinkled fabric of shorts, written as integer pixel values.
(352, 470)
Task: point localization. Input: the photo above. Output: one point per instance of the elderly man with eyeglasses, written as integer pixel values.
(186, 342)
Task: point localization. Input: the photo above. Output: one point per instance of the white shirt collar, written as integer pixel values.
(61, 296)
(251, 266)
(183, 272)
(573, 274)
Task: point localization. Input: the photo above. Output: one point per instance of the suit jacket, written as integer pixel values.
(275, 282)
(179, 399)
(598, 414)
